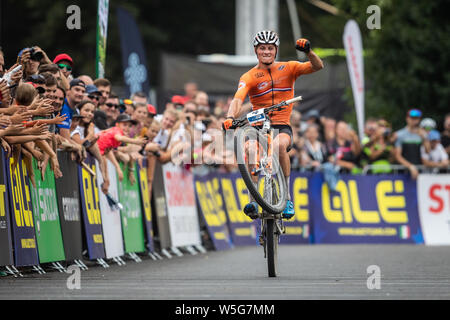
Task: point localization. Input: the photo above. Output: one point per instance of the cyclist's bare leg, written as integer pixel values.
(251, 153)
(280, 144)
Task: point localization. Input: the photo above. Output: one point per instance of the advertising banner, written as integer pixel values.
(6, 257)
(132, 221)
(145, 204)
(355, 63)
(68, 198)
(181, 209)
(434, 208)
(46, 216)
(244, 231)
(102, 28)
(111, 222)
(298, 228)
(134, 60)
(159, 204)
(24, 236)
(211, 208)
(90, 208)
(365, 209)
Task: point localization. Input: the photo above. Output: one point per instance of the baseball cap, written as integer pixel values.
(428, 123)
(414, 113)
(178, 100)
(313, 113)
(125, 118)
(61, 57)
(37, 86)
(90, 88)
(434, 135)
(151, 108)
(77, 82)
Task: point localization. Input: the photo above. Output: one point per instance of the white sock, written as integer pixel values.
(287, 184)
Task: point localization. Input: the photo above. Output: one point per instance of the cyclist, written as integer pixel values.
(269, 83)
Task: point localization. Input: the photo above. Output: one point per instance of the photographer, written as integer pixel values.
(379, 151)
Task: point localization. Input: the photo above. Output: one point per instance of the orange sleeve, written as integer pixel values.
(300, 68)
(243, 88)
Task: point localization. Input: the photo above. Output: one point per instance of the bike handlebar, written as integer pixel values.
(239, 122)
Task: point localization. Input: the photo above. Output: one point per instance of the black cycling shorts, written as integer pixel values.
(281, 128)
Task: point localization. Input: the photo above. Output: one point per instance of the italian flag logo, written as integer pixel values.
(404, 232)
(305, 231)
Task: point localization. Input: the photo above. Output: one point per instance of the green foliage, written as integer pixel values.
(409, 63)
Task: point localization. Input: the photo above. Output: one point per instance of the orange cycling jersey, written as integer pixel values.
(266, 87)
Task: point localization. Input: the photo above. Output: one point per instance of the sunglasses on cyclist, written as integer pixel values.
(63, 65)
(112, 105)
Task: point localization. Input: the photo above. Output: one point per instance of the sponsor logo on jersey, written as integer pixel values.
(241, 85)
(259, 75)
(262, 85)
(281, 67)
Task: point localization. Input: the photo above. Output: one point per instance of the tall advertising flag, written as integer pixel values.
(354, 52)
(134, 60)
(102, 28)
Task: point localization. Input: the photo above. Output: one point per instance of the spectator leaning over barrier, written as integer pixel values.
(140, 113)
(190, 90)
(84, 135)
(87, 80)
(295, 152)
(57, 73)
(111, 109)
(112, 138)
(202, 100)
(73, 97)
(445, 136)
(140, 97)
(129, 107)
(427, 124)
(313, 153)
(104, 86)
(379, 150)
(345, 149)
(437, 157)
(409, 141)
(36, 134)
(93, 94)
(65, 64)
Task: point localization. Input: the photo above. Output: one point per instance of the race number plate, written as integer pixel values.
(256, 116)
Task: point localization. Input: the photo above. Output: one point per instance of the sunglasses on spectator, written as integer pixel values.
(112, 105)
(414, 113)
(63, 65)
(94, 97)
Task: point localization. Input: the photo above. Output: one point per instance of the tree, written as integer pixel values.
(408, 65)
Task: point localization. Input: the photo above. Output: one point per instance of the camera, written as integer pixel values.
(387, 133)
(36, 55)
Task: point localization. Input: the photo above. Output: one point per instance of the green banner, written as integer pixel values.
(46, 216)
(132, 220)
(102, 28)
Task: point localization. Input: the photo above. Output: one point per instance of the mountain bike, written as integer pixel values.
(262, 174)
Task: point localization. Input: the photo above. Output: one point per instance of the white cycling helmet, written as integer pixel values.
(266, 37)
(428, 123)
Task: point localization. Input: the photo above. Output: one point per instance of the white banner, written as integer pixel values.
(354, 52)
(433, 192)
(181, 208)
(111, 223)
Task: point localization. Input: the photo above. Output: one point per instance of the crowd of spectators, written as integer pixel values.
(44, 107)
(320, 141)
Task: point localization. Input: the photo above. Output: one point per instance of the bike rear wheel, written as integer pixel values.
(244, 136)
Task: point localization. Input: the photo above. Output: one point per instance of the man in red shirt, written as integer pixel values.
(267, 84)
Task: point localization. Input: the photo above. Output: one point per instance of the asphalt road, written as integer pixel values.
(305, 272)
